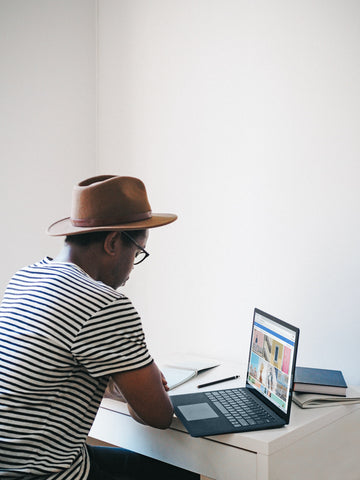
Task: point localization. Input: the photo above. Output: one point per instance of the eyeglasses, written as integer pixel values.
(140, 256)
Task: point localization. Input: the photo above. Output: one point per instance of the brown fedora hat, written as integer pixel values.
(109, 203)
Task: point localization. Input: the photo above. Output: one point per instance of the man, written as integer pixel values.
(65, 330)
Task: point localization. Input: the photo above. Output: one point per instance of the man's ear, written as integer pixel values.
(112, 243)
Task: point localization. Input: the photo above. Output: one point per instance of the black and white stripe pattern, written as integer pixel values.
(61, 335)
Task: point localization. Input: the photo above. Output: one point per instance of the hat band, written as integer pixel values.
(104, 222)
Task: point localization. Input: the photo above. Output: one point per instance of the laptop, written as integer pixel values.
(265, 401)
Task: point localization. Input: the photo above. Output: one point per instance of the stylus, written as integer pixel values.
(218, 381)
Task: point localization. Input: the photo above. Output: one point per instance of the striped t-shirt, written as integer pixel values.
(61, 336)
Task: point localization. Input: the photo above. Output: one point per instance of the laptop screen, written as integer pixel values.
(272, 358)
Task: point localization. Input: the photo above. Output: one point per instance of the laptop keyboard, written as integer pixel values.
(240, 409)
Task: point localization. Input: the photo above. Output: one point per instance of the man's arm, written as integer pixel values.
(145, 392)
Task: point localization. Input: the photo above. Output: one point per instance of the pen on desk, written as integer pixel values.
(218, 381)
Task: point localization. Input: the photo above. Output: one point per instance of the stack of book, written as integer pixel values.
(317, 387)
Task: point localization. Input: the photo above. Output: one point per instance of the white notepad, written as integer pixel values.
(182, 367)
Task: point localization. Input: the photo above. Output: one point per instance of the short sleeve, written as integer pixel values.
(112, 340)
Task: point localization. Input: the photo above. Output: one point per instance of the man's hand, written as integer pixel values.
(164, 381)
(145, 391)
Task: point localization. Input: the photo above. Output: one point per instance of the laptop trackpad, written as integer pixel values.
(197, 411)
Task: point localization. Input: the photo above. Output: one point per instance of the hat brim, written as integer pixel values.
(65, 226)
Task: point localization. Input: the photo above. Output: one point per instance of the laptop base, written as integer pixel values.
(202, 417)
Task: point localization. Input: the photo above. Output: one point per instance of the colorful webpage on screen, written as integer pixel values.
(271, 359)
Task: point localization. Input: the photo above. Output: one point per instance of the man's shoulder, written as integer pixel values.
(68, 279)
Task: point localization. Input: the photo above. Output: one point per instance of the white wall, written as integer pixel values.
(242, 117)
(47, 120)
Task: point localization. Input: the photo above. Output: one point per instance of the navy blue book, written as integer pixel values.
(319, 380)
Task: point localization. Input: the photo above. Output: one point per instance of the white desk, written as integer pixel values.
(319, 443)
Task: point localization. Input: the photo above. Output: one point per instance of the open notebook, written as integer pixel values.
(182, 367)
